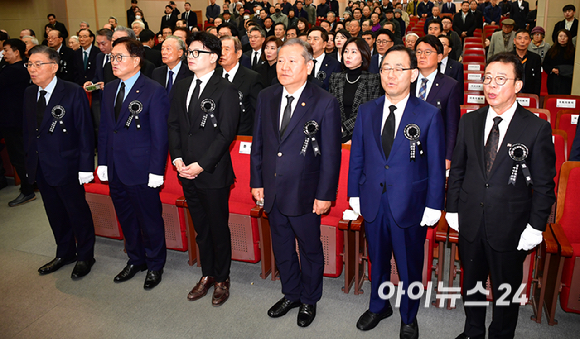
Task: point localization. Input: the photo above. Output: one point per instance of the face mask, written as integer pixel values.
(277, 10)
(246, 17)
(137, 17)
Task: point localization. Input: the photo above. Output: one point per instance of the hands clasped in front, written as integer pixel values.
(190, 171)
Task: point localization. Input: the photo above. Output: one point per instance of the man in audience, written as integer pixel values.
(57, 25)
(147, 38)
(532, 63)
(212, 11)
(324, 65)
(485, 186)
(477, 14)
(492, 13)
(113, 23)
(411, 40)
(60, 157)
(453, 36)
(132, 154)
(384, 41)
(175, 64)
(424, 8)
(435, 27)
(449, 7)
(280, 31)
(311, 10)
(502, 41)
(257, 37)
(66, 69)
(464, 21)
(189, 16)
(27, 32)
(278, 16)
(369, 37)
(322, 10)
(569, 23)
(169, 19)
(85, 57)
(182, 33)
(519, 12)
(448, 66)
(355, 28)
(434, 16)
(130, 14)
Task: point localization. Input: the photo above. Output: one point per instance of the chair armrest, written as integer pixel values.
(453, 236)
(565, 247)
(356, 225)
(442, 229)
(551, 243)
(256, 211)
(343, 224)
(181, 202)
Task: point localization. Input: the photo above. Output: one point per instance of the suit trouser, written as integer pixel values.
(70, 218)
(301, 279)
(139, 211)
(478, 259)
(210, 213)
(385, 237)
(15, 148)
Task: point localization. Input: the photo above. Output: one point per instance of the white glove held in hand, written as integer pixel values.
(102, 173)
(354, 203)
(530, 238)
(452, 220)
(430, 217)
(155, 180)
(85, 177)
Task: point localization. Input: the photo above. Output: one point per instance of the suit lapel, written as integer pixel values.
(478, 132)
(275, 110)
(302, 106)
(434, 91)
(132, 95)
(208, 90)
(377, 121)
(55, 99)
(409, 117)
(516, 127)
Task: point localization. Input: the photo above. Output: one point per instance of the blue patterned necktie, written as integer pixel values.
(423, 89)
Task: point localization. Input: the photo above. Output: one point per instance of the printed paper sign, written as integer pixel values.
(473, 68)
(566, 103)
(245, 147)
(475, 87)
(476, 99)
(524, 102)
(474, 76)
(574, 120)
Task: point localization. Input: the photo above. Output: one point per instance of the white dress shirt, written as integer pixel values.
(398, 112)
(204, 79)
(431, 80)
(296, 96)
(232, 73)
(259, 54)
(318, 63)
(49, 89)
(503, 125)
(443, 64)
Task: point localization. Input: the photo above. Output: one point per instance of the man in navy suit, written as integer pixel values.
(438, 89)
(385, 40)
(132, 154)
(189, 16)
(175, 64)
(449, 7)
(396, 180)
(85, 57)
(295, 163)
(324, 65)
(59, 149)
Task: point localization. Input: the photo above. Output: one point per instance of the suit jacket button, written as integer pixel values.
(486, 185)
(279, 154)
(481, 204)
(387, 167)
(115, 131)
(36, 152)
(190, 135)
(38, 137)
(381, 184)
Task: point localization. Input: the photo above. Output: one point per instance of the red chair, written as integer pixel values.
(474, 66)
(474, 98)
(567, 120)
(473, 86)
(541, 113)
(557, 102)
(544, 90)
(469, 45)
(473, 58)
(528, 100)
(102, 209)
(174, 218)
(560, 140)
(469, 108)
(474, 50)
(475, 40)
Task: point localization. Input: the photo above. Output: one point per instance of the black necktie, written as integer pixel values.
(169, 82)
(40, 107)
(389, 132)
(492, 144)
(255, 59)
(194, 99)
(119, 101)
(227, 76)
(287, 115)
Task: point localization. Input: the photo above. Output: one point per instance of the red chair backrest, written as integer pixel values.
(341, 203)
(469, 45)
(473, 58)
(469, 108)
(474, 50)
(567, 211)
(528, 100)
(560, 145)
(474, 66)
(171, 183)
(474, 98)
(541, 113)
(554, 103)
(472, 40)
(240, 191)
(567, 120)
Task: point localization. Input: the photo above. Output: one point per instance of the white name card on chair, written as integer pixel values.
(476, 99)
(475, 87)
(566, 103)
(245, 147)
(474, 76)
(473, 68)
(524, 101)
(574, 119)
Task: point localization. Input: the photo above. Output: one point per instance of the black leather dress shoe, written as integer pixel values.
(370, 320)
(410, 331)
(464, 336)
(22, 199)
(306, 315)
(152, 279)
(282, 307)
(129, 272)
(82, 268)
(55, 264)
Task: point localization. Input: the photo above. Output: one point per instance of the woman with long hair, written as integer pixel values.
(267, 70)
(329, 48)
(302, 25)
(340, 38)
(354, 85)
(559, 64)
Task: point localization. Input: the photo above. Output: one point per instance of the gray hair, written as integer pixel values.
(32, 39)
(73, 37)
(129, 31)
(51, 53)
(112, 17)
(138, 22)
(237, 42)
(86, 23)
(411, 34)
(180, 43)
(256, 28)
(307, 52)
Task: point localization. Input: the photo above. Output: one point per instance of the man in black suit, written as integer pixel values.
(66, 69)
(296, 186)
(448, 66)
(449, 7)
(60, 157)
(435, 15)
(169, 19)
(570, 22)
(86, 57)
(247, 82)
(130, 13)
(324, 65)
(175, 67)
(59, 26)
(499, 205)
(385, 40)
(14, 79)
(174, 7)
(438, 89)
(477, 14)
(147, 38)
(454, 37)
(202, 125)
(257, 37)
(531, 61)
(464, 21)
(189, 16)
(519, 13)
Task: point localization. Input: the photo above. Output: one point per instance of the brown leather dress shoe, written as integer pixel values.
(200, 288)
(221, 293)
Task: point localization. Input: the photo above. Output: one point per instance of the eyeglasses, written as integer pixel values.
(120, 57)
(426, 53)
(398, 70)
(383, 42)
(195, 53)
(499, 80)
(37, 64)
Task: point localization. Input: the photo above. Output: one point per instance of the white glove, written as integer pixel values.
(430, 217)
(85, 177)
(452, 220)
(155, 180)
(530, 238)
(354, 203)
(102, 173)
(349, 215)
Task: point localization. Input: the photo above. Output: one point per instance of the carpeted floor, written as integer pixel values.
(54, 306)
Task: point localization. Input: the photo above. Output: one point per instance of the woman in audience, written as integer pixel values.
(559, 64)
(73, 43)
(329, 49)
(340, 39)
(411, 40)
(354, 85)
(267, 70)
(47, 28)
(139, 16)
(338, 26)
(538, 45)
(302, 25)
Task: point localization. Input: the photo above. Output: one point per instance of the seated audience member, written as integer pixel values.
(183, 34)
(212, 30)
(139, 16)
(268, 27)
(339, 40)
(449, 66)
(531, 62)
(267, 69)
(291, 33)
(454, 37)
(329, 49)
(411, 40)
(354, 86)
(137, 26)
(73, 43)
(369, 37)
(400, 20)
(30, 42)
(502, 41)
(538, 45)
(435, 27)
(435, 12)
(280, 31)
(324, 65)
(559, 64)
(384, 41)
